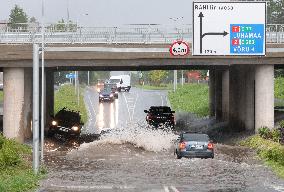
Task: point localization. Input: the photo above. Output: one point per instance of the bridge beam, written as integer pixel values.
(264, 96)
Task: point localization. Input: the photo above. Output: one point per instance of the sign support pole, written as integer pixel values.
(35, 108)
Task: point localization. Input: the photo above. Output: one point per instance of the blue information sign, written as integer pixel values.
(247, 39)
(70, 76)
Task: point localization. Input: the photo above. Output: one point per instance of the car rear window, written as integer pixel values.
(160, 110)
(195, 137)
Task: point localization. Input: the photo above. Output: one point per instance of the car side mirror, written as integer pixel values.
(145, 111)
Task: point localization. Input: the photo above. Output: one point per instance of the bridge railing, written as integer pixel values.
(147, 34)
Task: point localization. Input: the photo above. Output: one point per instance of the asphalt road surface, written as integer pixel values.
(133, 158)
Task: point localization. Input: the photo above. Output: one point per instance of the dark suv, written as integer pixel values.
(160, 116)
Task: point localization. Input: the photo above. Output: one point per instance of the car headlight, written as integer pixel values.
(54, 123)
(101, 96)
(75, 128)
(111, 95)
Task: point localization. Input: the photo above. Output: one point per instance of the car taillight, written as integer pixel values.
(182, 145)
(210, 146)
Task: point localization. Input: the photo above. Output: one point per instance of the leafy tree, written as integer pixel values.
(17, 15)
(157, 76)
(33, 20)
(64, 26)
(275, 11)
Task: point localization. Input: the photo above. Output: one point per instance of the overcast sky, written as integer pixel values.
(106, 12)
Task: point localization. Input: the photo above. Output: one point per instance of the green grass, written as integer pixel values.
(1, 96)
(152, 87)
(16, 174)
(66, 97)
(279, 88)
(271, 152)
(191, 98)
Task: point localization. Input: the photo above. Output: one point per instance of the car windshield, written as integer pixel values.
(107, 90)
(114, 80)
(160, 110)
(195, 137)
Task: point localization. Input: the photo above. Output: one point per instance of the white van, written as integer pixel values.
(122, 82)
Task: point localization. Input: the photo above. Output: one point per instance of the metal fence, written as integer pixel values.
(140, 34)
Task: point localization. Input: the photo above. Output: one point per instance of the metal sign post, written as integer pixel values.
(35, 108)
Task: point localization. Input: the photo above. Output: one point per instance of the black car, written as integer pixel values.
(160, 116)
(113, 88)
(66, 123)
(106, 95)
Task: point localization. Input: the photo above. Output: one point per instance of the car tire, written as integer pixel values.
(177, 155)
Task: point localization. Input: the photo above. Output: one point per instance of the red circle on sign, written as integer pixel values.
(179, 48)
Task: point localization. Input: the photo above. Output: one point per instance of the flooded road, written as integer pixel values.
(134, 158)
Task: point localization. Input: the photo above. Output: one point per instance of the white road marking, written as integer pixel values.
(278, 188)
(166, 189)
(162, 100)
(127, 105)
(83, 187)
(174, 189)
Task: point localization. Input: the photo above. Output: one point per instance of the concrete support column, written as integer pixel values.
(13, 108)
(218, 95)
(49, 99)
(264, 96)
(28, 103)
(235, 99)
(225, 95)
(212, 92)
(249, 97)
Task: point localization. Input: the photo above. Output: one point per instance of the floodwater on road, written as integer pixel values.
(131, 157)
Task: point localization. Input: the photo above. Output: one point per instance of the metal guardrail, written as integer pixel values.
(140, 34)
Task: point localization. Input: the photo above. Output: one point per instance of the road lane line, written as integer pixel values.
(127, 106)
(166, 188)
(134, 105)
(174, 189)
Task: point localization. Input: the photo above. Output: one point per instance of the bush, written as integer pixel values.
(269, 150)
(11, 152)
(266, 133)
(281, 124)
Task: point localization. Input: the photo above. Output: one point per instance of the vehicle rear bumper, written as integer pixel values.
(202, 154)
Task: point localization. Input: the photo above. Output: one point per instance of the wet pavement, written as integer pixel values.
(132, 157)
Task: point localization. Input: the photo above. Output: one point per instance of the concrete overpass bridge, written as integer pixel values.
(241, 87)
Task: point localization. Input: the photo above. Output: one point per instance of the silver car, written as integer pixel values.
(194, 145)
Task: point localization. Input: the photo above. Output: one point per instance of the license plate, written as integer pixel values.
(198, 147)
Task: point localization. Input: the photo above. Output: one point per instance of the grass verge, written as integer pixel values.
(16, 174)
(279, 87)
(151, 87)
(191, 98)
(271, 152)
(1, 96)
(66, 97)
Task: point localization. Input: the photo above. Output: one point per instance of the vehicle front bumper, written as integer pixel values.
(201, 154)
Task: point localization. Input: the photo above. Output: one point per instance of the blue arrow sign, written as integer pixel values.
(70, 76)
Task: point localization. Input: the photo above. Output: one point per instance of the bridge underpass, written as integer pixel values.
(243, 95)
(241, 87)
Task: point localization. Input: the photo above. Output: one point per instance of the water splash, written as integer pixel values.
(140, 136)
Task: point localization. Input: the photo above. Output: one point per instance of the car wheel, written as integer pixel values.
(177, 155)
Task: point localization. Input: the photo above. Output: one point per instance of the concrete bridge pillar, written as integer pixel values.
(264, 96)
(212, 92)
(49, 99)
(225, 95)
(13, 107)
(218, 95)
(28, 103)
